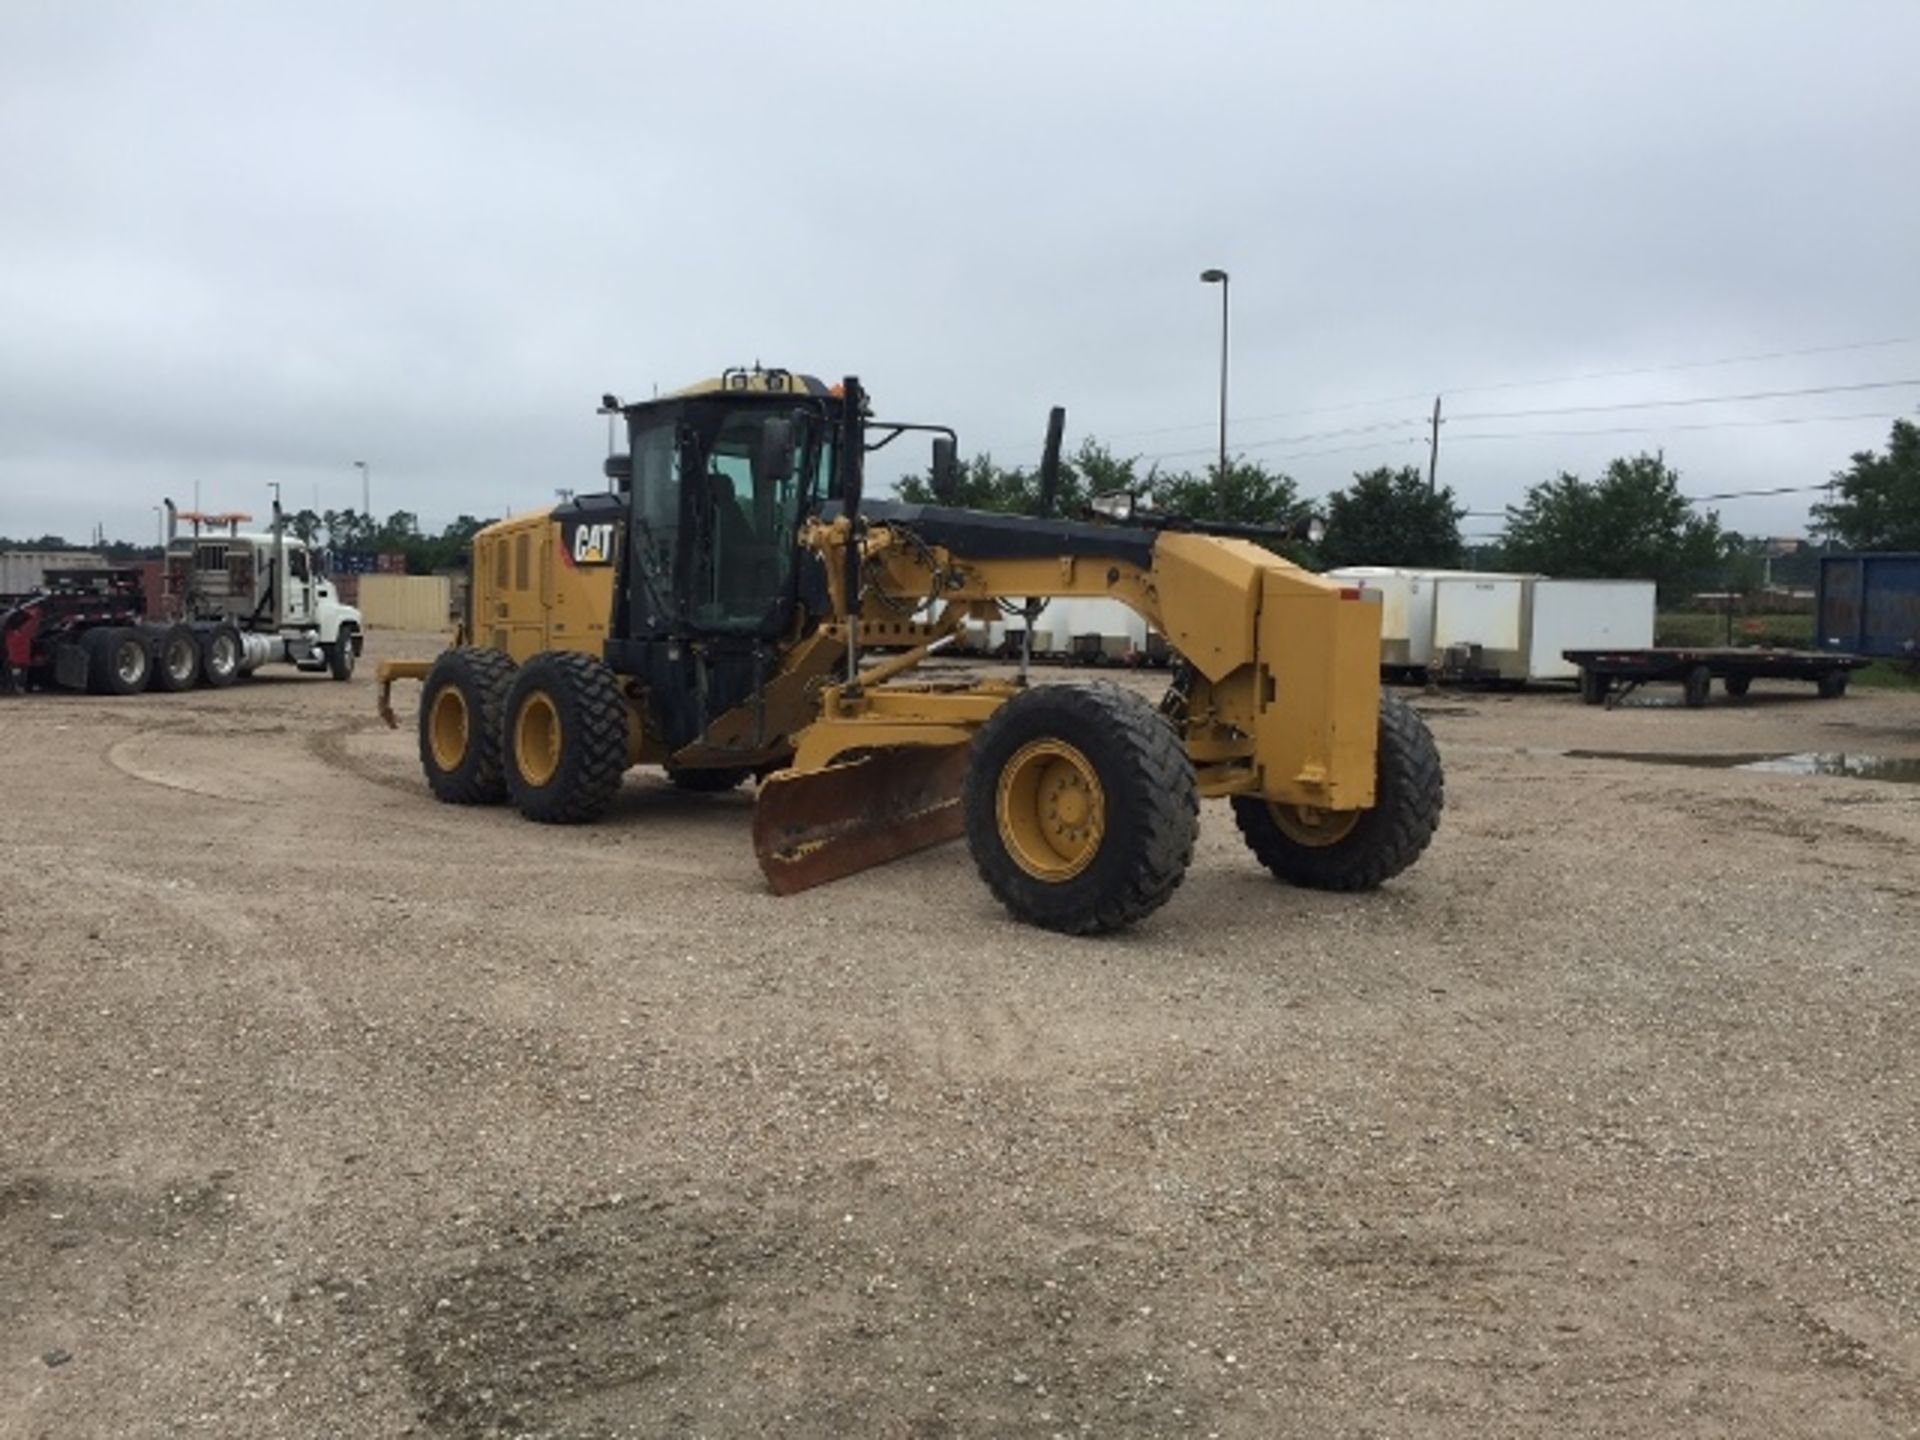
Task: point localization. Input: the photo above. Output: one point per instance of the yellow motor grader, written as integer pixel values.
(736, 608)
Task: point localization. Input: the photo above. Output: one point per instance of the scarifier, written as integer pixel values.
(714, 614)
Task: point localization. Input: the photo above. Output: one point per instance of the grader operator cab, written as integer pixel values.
(748, 576)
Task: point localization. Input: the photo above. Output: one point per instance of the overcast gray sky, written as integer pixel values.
(254, 242)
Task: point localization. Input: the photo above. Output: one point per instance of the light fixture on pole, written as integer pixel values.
(1219, 277)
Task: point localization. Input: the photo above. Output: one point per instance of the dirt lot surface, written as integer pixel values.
(333, 1111)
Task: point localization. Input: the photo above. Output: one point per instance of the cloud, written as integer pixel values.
(249, 243)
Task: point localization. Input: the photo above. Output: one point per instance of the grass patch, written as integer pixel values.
(1885, 675)
(1691, 628)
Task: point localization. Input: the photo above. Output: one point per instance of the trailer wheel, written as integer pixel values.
(1697, 686)
(463, 709)
(1081, 808)
(178, 664)
(1358, 849)
(1736, 684)
(566, 738)
(706, 782)
(220, 656)
(118, 662)
(1595, 687)
(1833, 684)
(341, 655)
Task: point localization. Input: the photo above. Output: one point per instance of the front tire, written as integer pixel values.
(463, 708)
(341, 655)
(1358, 850)
(566, 738)
(1081, 808)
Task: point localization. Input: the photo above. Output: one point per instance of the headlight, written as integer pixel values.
(1114, 504)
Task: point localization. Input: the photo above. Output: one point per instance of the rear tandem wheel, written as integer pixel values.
(221, 651)
(565, 738)
(463, 709)
(118, 661)
(178, 665)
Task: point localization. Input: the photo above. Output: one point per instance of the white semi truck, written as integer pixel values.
(254, 598)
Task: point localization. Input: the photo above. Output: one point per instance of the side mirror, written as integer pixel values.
(619, 469)
(946, 469)
(775, 461)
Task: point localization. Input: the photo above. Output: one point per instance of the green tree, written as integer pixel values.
(983, 485)
(1631, 523)
(1252, 495)
(1390, 517)
(305, 525)
(1876, 500)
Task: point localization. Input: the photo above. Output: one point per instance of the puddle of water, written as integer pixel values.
(1822, 762)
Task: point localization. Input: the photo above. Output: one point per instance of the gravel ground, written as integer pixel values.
(333, 1111)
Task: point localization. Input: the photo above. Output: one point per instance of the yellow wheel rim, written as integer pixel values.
(447, 728)
(536, 739)
(1051, 810)
(1310, 826)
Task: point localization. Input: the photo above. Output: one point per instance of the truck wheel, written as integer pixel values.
(118, 662)
(1697, 686)
(1594, 687)
(1081, 808)
(566, 738)
(1736, 684)
(1356, 849)
(706, 782)
(463, 708)
(1833, 684)
(220, 654)
(340, 655)
(178, 667)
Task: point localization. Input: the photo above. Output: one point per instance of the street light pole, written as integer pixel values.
(366, 489)
(1219, 277)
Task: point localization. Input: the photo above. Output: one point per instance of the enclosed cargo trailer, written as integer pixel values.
(1869, 604)
(1406, 612)
(1517, 628)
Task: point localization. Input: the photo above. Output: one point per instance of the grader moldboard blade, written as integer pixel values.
(815, 826)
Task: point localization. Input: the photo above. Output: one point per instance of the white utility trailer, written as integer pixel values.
(1406, 612)
(1516, 628)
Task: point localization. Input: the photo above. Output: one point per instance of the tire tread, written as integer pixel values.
(1410, 793)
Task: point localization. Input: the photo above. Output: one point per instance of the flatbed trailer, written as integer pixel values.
(1606, 675)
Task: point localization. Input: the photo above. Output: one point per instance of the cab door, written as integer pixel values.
(298, 582)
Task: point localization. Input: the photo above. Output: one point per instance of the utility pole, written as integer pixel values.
(366, 488)
(1433, 446)
(1219, 277)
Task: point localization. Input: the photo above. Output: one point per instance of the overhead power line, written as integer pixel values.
(1760, 357)
(1750, 494)
(1286, 439)
(1670, 429)
(1695, 400)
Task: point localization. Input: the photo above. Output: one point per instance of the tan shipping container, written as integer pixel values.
(405, 602)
